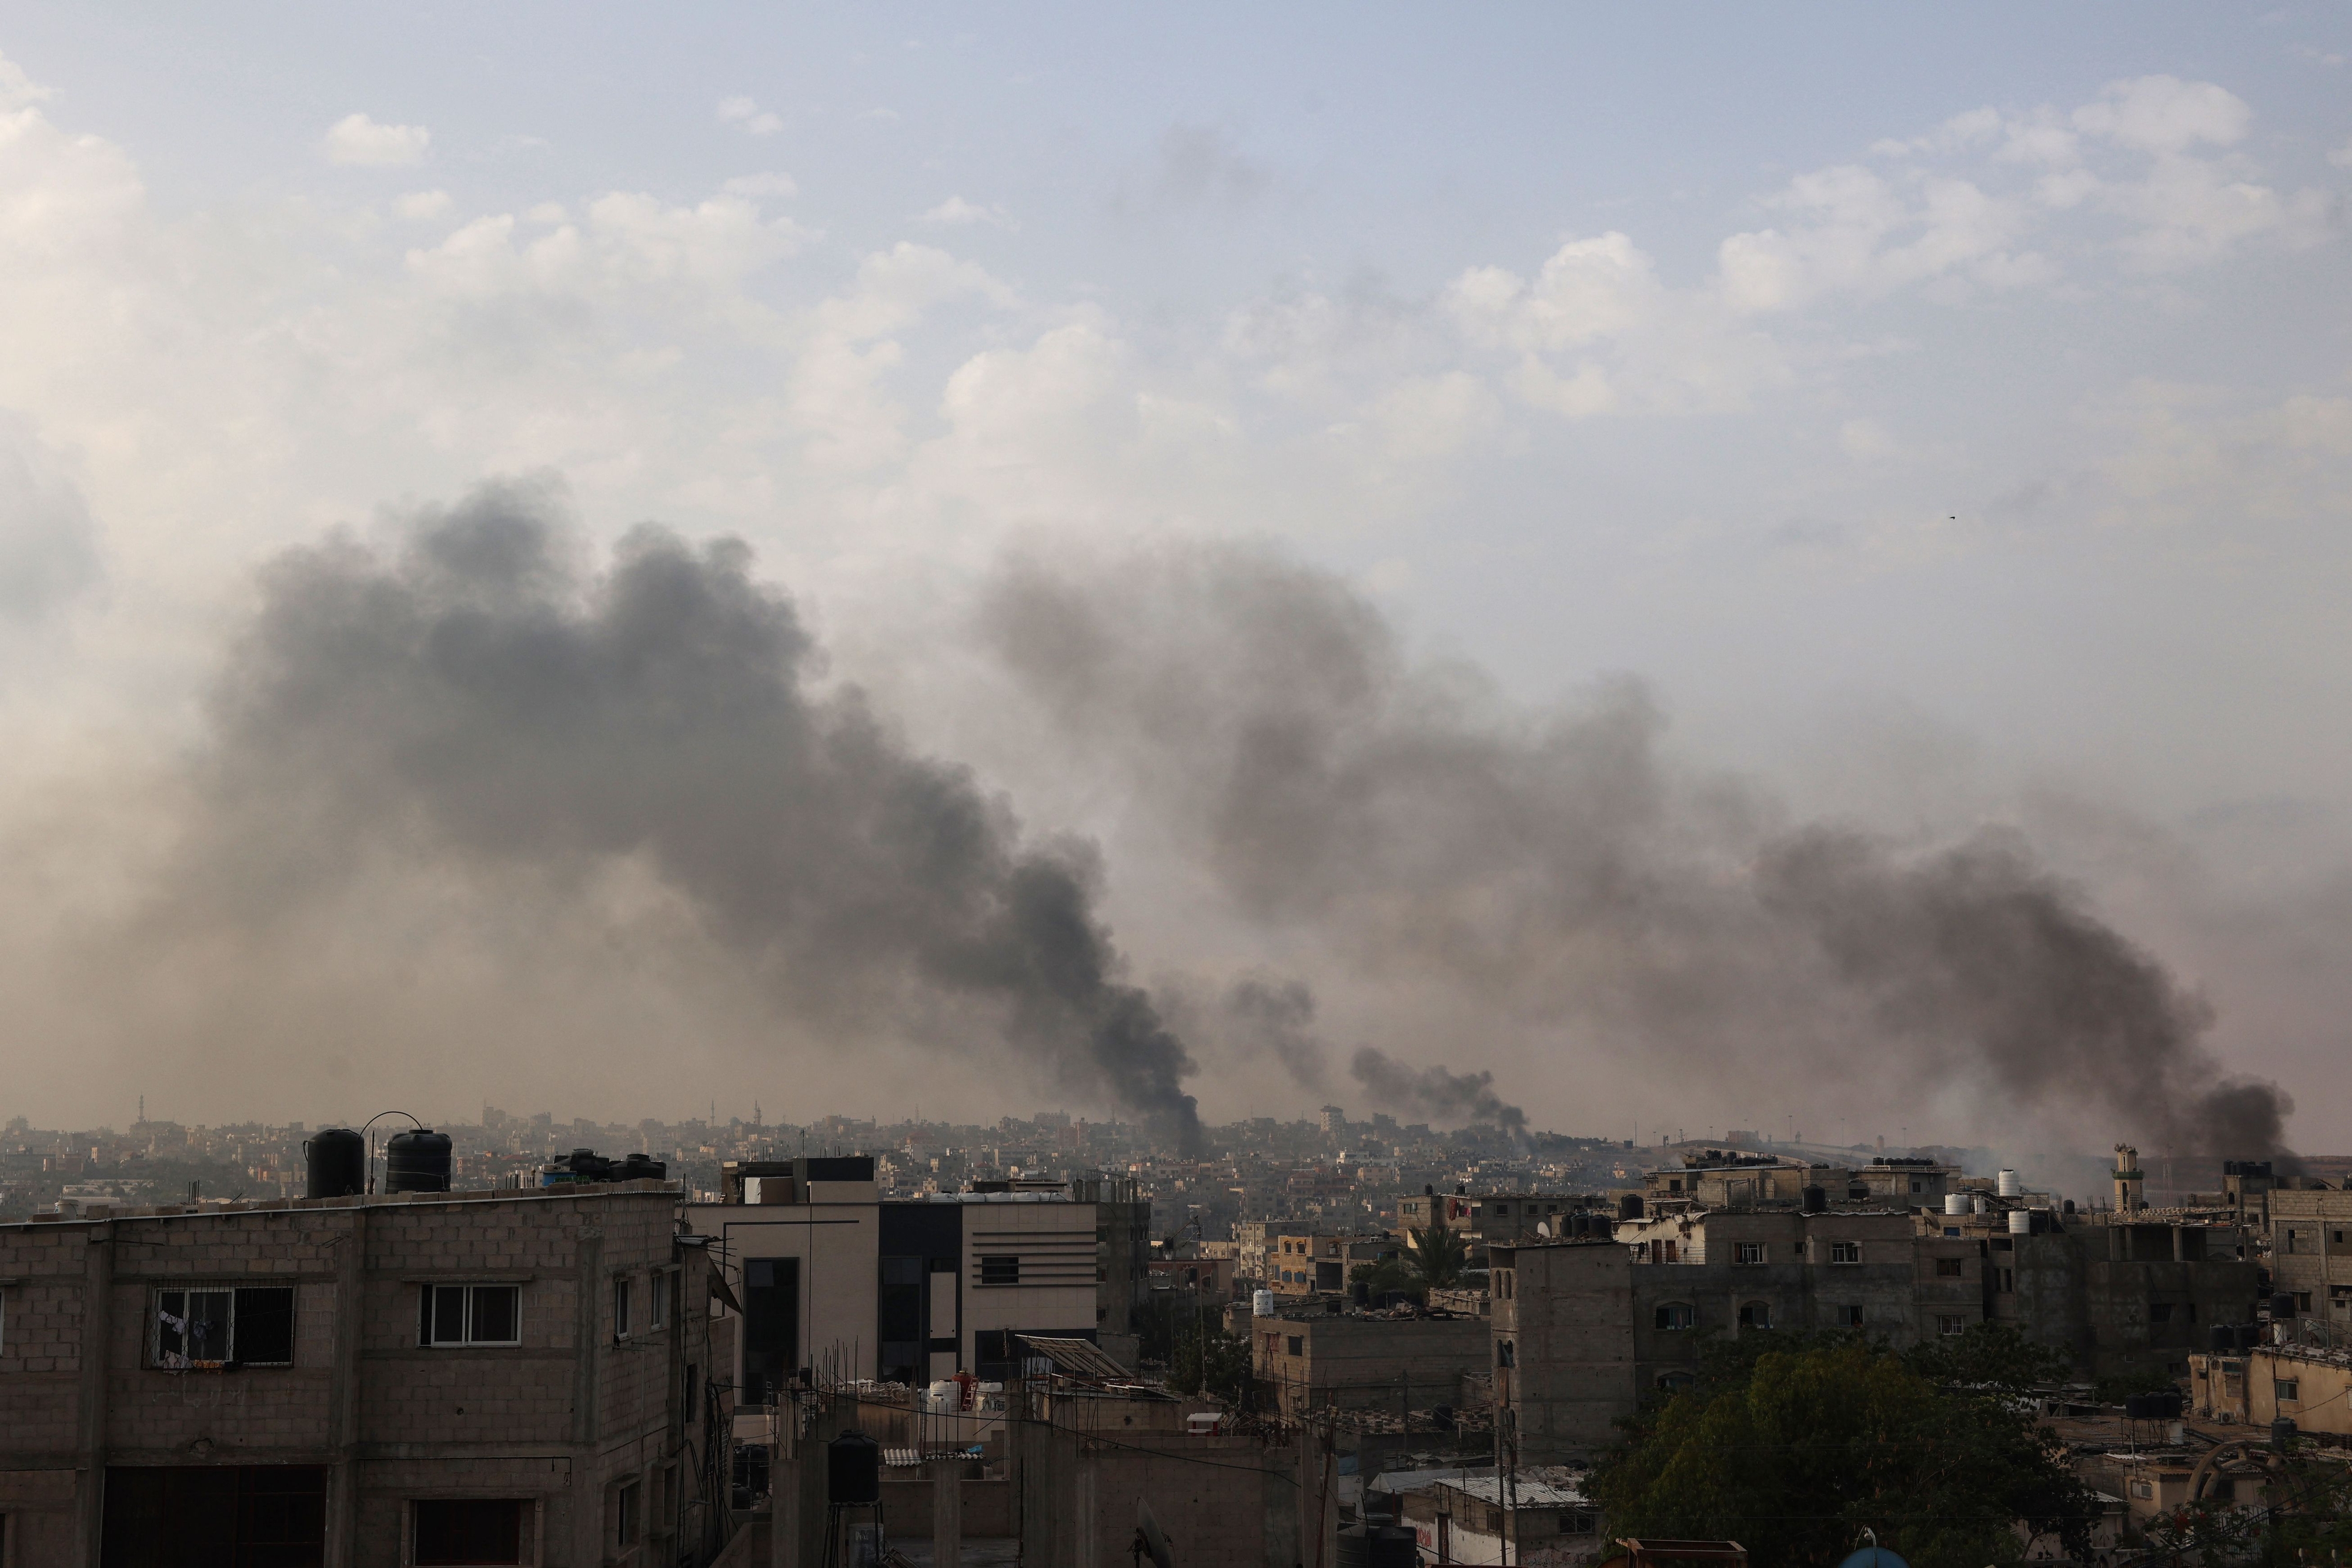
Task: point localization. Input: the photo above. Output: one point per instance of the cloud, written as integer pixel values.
(955, 212)
(357, 141)
(2164, 114)
(18, 90)
(420, 205)
(2342, 156)
(747, 113)
(49, 542)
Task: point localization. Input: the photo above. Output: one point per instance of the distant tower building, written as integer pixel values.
(1334, 1121)
(2129, 1179)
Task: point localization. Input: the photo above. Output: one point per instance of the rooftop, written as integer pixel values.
(102, 1213)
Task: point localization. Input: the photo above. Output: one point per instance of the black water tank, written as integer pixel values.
(1600, 1227)
(640, 1167)
(416, 1161)
(1377, 1545)
(1629, 1206)
(2222, 1339)
(2283, 1433)
(337, 1163)
(2281, 1308)
(1816, 1199)
(853, 1468)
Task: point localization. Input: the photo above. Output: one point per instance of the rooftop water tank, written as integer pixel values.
(1981, 1204)
(1629, 1206)
(2008, 1186)
(1816, 1199)
(1955, 1204)
(2020, 1222)
(1262, 1303)
(336, 1163)
(416, 1161)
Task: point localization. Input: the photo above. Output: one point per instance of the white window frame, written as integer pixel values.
(1846, 1251)
(429, 1314)
(178, 1361)
(657, 1300)
(1748, 1252)
(621, 1305)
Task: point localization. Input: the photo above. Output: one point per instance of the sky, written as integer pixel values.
(1943, 415)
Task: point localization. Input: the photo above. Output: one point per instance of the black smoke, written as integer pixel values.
(481, 696)
(1549, 868)
(1435, 1094)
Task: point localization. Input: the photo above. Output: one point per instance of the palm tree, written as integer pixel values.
(1439, 1255)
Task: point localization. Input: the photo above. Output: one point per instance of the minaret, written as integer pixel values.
(2128, 1178)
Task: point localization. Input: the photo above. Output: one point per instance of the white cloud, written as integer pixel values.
(418, 206)
(2342, 156)
(18, 90)
(955, 212)
(747, 113)
(2164, 114)
(356, 140)
(1853, 230)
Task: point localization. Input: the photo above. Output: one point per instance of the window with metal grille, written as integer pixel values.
(244, 1325)
(2289, 1389)
(1748, 1252)
(1951, 1325)
(1677, 1315)
(1846, 1251)
(469, 1314)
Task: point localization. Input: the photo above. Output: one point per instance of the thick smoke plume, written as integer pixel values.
(1552, 869)
(484, 700)
(1452, 1098)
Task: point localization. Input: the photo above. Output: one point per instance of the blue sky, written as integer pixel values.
(1946, 410)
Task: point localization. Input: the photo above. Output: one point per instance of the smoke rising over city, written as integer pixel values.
(1556, 863)
(481, 703)
(485, 697)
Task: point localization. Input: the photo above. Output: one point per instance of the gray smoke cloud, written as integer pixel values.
(1435, 1094)
(1552, 867)
(1268, 1015)
(481, 698)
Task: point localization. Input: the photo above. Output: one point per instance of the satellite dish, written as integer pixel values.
(1543, 1227)
(1151, 1540)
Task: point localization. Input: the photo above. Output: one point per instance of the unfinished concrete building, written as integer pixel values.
(427, 1377)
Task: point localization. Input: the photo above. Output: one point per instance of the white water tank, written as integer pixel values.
(1262, 1303)
(1983, 1206)
(2020, 1222)
(944, 1397)
(2009, 1185)
(1955, 1204)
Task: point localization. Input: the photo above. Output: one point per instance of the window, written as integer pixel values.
(620, 1307)
(470, 1529)
(1951, 1323)
(1677, 1315)
(1748, 1252)
(1918, 1186)
(249, 1325)
(1505, 1354)
(1846, 1251)
(1576, 1524)
(658, 1290)
(2143, 1488)
(2303, 1300)
(2286, 1390)
(2008, 1287)
(469, 1314)
(1951, 1230)
(2159, 1312)
(2291, 1242)
(1295, 1344)
(628, 1507)
(1756, 1315)
(693, 1387)
(1005, 1270)
(1849, 1317)
(1949, 1268)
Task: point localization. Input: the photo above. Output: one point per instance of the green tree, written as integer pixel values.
(1440, 1256)
(1385, 1275)
(1991, 1356)
(1794, 1448)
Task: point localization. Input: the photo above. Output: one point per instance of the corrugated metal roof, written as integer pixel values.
(1077, 1358)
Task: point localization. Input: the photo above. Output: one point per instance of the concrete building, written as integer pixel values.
(1122, 1247)
(1539, 1517)
(1255, 1240)
(2311, 1253)
(1727, 1179)
(1353, 1361)
(1584, 1329)
(1319, 1262)
(2122, 1298)
(2306, 1385)
(1486, 1217)
(484, 1377)
(835, 1281)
